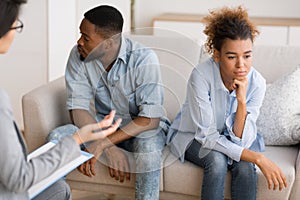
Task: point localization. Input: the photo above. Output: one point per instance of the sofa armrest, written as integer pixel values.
(44, 108)
(296, 187)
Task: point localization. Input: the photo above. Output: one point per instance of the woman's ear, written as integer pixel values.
(216, 55)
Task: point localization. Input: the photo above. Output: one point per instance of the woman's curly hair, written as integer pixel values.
(227, 23)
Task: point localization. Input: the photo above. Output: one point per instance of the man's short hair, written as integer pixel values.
(107, 19)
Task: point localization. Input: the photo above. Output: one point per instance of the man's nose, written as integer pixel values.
(79, 41)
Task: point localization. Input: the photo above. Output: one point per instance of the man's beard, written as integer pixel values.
(81, 57)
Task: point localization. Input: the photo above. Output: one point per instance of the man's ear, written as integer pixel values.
(216, 55)
(108, 43)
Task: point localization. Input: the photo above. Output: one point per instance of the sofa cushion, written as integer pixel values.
(274, 61)
(186, 178)
(102, 178)
(295, 193)
(279, 119)
(177, 57)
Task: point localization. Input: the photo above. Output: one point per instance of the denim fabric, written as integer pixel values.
(58, 191)
(146, 153)
(57, 134)
(215, 165)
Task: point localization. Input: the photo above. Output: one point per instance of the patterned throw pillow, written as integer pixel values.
(279, 119)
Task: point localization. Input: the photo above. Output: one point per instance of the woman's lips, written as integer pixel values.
(240, 73)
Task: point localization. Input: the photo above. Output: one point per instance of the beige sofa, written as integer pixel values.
(44, 109)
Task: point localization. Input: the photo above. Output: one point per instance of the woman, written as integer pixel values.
(216, 127)
(17, 175)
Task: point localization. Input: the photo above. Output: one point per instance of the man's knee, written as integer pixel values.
(60, 132)
(155, 143)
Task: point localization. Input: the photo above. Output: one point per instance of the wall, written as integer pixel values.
(145, 10)
(24, 67)
(61, 35)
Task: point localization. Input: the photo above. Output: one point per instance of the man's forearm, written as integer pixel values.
(140, 124)
(132, 129)
(81, 117)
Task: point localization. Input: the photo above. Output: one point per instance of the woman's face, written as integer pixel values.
(235, 59)
(7, 39)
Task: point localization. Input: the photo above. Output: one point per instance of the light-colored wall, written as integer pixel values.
(61, 35)
(25, 65)
(146, 10)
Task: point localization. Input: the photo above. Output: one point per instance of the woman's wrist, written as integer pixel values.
(77, 138)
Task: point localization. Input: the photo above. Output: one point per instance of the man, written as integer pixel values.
(118, 74)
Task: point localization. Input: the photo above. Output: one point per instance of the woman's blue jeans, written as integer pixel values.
(215, 165)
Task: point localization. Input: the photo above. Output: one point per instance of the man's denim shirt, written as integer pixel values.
(209, 111)
(132, 87)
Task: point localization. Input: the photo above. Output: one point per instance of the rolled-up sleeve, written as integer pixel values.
(254, 102)
(79, 92)
(149, 91)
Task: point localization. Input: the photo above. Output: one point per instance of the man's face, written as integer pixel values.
(89, 38)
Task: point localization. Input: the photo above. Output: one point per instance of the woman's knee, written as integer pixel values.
(215, 162)
(244, 169)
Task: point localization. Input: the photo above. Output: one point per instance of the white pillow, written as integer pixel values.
(279, 119)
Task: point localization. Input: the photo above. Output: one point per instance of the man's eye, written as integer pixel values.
(231, 57)
(247, 56)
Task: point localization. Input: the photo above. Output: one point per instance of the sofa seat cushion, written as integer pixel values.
(187, 178)
(285, 157)
(102, 177)
(295, 194)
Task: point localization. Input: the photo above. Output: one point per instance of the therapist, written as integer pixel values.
(17, 175)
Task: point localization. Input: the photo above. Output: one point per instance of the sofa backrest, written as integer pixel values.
(274, 61)
(177, 56)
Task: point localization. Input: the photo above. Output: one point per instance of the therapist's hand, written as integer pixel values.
(98, 130)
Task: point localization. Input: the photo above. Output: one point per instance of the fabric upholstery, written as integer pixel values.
(279, 119)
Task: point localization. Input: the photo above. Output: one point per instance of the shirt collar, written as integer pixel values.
(122, 52)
